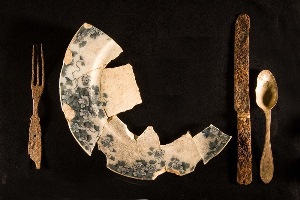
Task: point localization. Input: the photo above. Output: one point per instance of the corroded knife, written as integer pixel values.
(241, 98)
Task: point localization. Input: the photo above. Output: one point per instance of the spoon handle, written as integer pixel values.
(266, 162)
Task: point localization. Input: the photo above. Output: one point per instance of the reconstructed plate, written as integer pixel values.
(91, 97)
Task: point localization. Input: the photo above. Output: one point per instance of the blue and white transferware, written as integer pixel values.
(92, 96)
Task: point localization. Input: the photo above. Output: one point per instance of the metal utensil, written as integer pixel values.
(241, 98)
(37, 87)
(266, 98)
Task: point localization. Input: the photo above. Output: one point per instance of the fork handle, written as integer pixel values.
(35, 142)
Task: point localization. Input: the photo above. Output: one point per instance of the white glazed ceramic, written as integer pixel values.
(84, 103)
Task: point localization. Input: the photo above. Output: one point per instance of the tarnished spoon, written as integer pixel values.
(266, 98)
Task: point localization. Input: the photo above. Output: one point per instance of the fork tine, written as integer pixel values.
(37, 71)
(32, 67)
(42, 58)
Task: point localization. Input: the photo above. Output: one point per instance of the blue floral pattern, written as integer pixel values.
(81, 94)
(83, 32)
(156, 160)
(178, 165)
(123, 169)
(107, 142)
(156, 153)
(140, 169)
(85, 108)
(217, 141)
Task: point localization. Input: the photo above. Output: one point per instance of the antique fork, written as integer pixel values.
(35, 133)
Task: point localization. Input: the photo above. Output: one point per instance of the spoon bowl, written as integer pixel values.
(266, 90)
(266, 98)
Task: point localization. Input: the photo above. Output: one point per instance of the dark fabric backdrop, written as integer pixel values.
(182, 56)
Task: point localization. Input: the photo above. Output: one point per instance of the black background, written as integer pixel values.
(182, 56)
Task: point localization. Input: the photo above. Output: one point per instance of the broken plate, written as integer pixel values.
(91, 97)
(87, 105)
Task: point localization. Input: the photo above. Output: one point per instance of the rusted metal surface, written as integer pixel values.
(35, 133)
(241, 99)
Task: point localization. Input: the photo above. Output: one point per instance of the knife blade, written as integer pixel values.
(241, 98)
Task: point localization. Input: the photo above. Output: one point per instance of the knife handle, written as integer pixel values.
(244, 165)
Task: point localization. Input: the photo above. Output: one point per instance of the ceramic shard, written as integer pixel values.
(181, 155)
(87, 55)
(139, 159)
(144, 158)
(210, 142)
(148, 145)
(120, 89)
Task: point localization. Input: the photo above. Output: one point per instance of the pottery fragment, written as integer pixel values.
(120, 89)
(143, 157)
(129, 157)
(87, 55)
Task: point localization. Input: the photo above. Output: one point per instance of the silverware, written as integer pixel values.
(241, 98)
(266, 98)
(37, 87)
